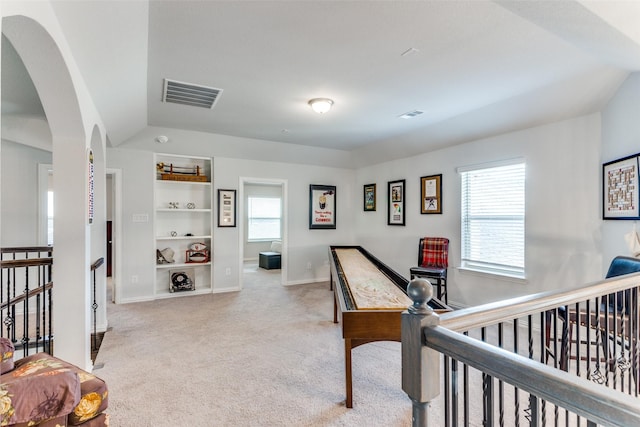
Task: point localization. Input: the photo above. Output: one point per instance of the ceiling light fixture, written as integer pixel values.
(321, 105)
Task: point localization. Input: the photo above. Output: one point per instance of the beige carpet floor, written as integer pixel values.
(269, 355)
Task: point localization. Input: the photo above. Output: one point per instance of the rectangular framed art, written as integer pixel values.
(369, 197)
(431, 194)
(226, 208)
(322, 206)
(396, 209)
(620, 188)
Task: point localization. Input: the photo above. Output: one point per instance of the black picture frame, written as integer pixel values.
(620, 188)
(227, 208)
(322, 207)
(396, 202)
(431, 194)
(369, 195)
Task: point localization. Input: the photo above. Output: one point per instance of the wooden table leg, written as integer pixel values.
(347, 369)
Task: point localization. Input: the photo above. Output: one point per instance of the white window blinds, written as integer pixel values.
(493, 208)
(264, 218)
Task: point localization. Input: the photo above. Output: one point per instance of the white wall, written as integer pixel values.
(138, 244)
(563, 238)
(305, 246)
(19, 192)
(620, 138)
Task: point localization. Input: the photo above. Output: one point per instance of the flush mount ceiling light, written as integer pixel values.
(321, 105)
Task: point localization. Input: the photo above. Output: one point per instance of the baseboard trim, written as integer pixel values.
(224, 290)
(306, 281)
(139, 299)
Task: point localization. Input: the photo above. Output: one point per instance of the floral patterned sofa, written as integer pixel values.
(41, 390)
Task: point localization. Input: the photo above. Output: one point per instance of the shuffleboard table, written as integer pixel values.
(369, 298)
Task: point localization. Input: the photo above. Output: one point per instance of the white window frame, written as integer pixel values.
(516, 269)
(45, 184)
(265, 239)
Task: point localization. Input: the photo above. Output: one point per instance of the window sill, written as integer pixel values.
(493, 275)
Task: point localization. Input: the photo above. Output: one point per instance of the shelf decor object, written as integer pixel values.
(171, 172)
(322, 206)
(182, 280)
(620, 188)
(431, 194)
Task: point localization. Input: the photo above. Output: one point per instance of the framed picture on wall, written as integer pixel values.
(396, 207)
(322, 206)
(369, 197)
(620, 188)
(226, 208)
(431, 194)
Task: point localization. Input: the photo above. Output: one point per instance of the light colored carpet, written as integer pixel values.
(269, 355)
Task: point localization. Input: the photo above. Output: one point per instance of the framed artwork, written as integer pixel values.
(395, 210)
(226, 208)
(369, 197)
(620, 188)
(431, 194)
(322, 206)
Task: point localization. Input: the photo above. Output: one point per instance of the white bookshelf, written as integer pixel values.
(183, 216)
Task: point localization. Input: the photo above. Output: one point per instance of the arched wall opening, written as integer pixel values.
(49, 70)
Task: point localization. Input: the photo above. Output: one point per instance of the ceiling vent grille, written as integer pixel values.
(190, 94)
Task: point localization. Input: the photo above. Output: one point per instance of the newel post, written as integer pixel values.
(420, 364)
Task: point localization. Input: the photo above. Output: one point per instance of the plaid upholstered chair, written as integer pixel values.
(433, 260)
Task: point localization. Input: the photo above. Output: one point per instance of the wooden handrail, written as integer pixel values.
(26, 249)
(16, 263)
(30, 294)
(97, 264)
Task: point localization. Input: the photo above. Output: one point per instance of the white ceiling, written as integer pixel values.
(476, 68)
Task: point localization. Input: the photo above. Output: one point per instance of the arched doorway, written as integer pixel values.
(51, 73)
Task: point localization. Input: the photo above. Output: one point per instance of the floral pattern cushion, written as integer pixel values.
(48, 392)
(6, 355)
(94, 398)
(39, 388)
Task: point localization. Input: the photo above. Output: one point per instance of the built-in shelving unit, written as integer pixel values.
(183, 225)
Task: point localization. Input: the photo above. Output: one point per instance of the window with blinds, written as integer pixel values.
(264, 218)
(493, 207)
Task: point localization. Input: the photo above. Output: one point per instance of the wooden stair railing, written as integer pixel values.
(96, 339)
(26, 297)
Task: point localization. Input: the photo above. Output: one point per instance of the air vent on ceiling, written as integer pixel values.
(190, 94)
(411, 114)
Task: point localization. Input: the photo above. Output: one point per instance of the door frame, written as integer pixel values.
(116, 217)
(282, 183)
